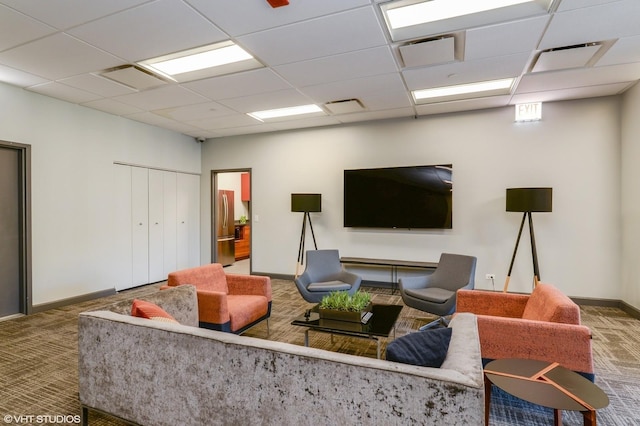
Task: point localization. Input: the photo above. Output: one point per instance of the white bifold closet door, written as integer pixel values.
(157, 224)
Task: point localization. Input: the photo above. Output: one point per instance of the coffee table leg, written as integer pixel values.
(306, 337)
(487, 400)
(557, 417)
(589, 418)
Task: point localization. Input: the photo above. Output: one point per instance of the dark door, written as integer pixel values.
(10, 230)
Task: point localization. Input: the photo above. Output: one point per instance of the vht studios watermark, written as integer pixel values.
(41, 419)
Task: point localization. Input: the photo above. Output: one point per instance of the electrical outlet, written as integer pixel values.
(490, 276)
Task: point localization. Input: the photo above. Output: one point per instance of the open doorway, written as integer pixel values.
(230, 220)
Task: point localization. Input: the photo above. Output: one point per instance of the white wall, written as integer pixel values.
(73, 150)
(630, 199)
(575, 150)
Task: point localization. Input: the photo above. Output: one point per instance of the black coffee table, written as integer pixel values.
(547, 384)
(380, 325)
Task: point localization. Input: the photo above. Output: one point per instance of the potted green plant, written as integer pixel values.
(339, 305)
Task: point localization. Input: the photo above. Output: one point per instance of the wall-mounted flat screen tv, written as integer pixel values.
(399, 197)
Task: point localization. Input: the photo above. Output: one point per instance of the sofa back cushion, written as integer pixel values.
(547, 303)
(206, 277)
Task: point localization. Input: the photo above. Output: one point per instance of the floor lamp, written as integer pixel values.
(527, 201)
(305, 203)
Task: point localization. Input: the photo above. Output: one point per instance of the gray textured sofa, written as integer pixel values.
(157, 373)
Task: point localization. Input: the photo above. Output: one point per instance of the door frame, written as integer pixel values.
(214, 211)
(24, 158)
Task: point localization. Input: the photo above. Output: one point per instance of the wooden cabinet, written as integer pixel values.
(243, 239)
(245, 187)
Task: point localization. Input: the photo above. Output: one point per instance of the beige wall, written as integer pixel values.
(630, 183)
(73, 149)
(575, 149)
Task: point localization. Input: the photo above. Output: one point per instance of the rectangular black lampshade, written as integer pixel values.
(529, 199)
(306, 202)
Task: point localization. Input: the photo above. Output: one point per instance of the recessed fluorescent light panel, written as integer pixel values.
(202, 62)
(463, 91)
(418, 18)
(285, 113)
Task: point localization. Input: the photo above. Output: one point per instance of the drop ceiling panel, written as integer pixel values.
(238, 85)
(377, 115)
(191, 113)
(257, 15)
(19, 78)
(265, 101)
(154, 29)
(163, 97)
(58, 56)
(16, 28)
(574, 93)
(598, 23)
(96, 84)
(504, 39)
(112, 107)
(466, 72)
(386, 100)
(358, 88)
(215, 123)
(576, 4)
(465, 105)
(305, 122)
(346, 66)
(61, 91)
(624, 51)
(157, 120)
(352, 30)
(583, 77)
(245, 130)
(64, 14)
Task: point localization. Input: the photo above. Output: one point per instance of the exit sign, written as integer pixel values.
(529, 112)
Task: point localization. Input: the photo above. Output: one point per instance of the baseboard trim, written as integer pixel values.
(631, 310)
(72, 300)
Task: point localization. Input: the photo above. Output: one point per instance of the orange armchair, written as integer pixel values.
(544, 325)
(227, 302)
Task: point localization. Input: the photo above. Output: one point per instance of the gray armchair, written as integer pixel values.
(323, 274)
(436, 293)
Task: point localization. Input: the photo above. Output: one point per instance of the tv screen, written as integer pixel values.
(399, 197)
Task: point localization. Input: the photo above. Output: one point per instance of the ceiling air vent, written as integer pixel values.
(134, 77)
(346, 106)
(576, 56)
(433, 51)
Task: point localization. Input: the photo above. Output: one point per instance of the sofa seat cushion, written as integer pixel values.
(148, 310)
(547, 303)
(425, 348)
(245, 309)
(329, 286)
(430, 294)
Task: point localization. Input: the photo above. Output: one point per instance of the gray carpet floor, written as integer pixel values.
(38, 359)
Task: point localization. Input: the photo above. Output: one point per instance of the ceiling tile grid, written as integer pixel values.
(311, 52)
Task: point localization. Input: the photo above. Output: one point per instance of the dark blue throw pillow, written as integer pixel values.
(426, 348)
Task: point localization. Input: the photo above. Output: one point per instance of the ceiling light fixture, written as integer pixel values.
(410, 19)
(485, 88)
(437, 10)
(285, 112)
(201, 62)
